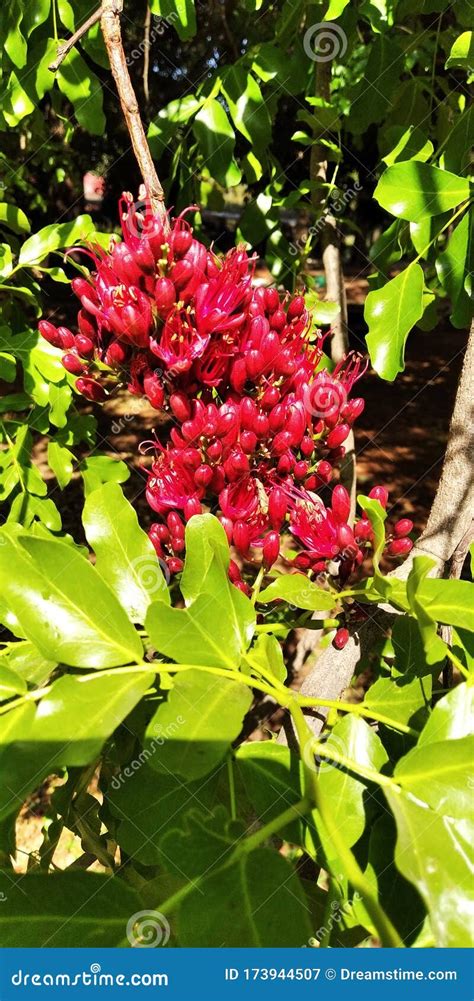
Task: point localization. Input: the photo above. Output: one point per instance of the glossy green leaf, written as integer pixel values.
(216, 139)
(438, 773)
(403, 701)
(412, 144)
(64, 606)
(297, 590)
(257, 902)
(11, 683)
(206, 569)
(61, 461)
(180, 14)
(372, 96)
(462, 52)
(452, 267)
(125, 557)
(247, 107)
(199, 721)
(66, 728)
(63, 909)
(452, 717)
(98, 469)
(377, 515)
(390, 313)
(14, 218)
(270, 776)
(84, 90)
(267, 654)
(53, 237)
(344, 791)
(412, 190)
(448, 601)
(26, 661)
(434, 646)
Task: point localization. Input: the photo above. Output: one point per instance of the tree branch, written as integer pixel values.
(110, 24)
(72, 41)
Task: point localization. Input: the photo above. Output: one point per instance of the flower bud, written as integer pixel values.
(181, 241)
(116, 354)
(281, 442)
(238, 375)
(234, 572)
(68, 339)
(278, 320)
(174, 564)
(203, 475)
(341, 504)
(165, 296)
(154, 390)
(261, 426)
(338, 435)
(175, 524)
(192, 506)
(277, 507)
(345, 538)
(270, 398)
(214, 450)
(363, 531)
(248, 441)
(73, 364)
(307, 446)
(403, 527)
(272, 299)
(324, 470)
(380, 494)
(241, 537)
(277, 417)
(300, 469)
(296, 307)
(400, 547)
(180, 407)
(254, 363)
(50, 333)
(271, 549)
(248, 413)
(91, 389)
(341, 638)
(84, 346)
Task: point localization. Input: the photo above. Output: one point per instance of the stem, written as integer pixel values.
(385, 929)
(232, 798)
(257, 585)
(110, 24)
(72, 41)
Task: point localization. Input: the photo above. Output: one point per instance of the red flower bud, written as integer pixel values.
(296, 307)
(165, 296)
(238, 375)
(324, 470)
(214, 450)
(84, 346)
(341, 504)
(345, 538)
(179, 404)
(91, 389)
(400, 547)
(154, 390)
(380, 494)
(175, 524)
(68, 339)
(248, 441)
(234, 572)
(278, 319)
(193, 506)
(363, 530)
(248, 413)
(181, 241)
(403, 527)
(174, 564)
(340, 638)
(338, 435)
(203, 475)
(282, 442)
(116, 354)
(271, 549)
(261, 426)
(241, 537)
(50, 333)
(277, 417)
(270, 398)
(255, 363)
(307, 446)
(272, 299)
(300, 470)
(277, 507)
(73, 364)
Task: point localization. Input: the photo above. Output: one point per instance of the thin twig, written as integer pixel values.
(110, 24)
(146, 55)
(66, 47)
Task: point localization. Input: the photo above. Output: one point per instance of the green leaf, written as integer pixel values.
(452, 717)
(270, 777)
(25, 660)
(434, 853)
(13, 41)
(335, 9)
(247, 107)
(98, 469)
(147, 803)
(434, 646)
(343, 791)
(401, 701)
(179, 13)
(125, 557)
(216, 139)
(63, 909)
(377, 516)
(63, 234)
(268, 654)
(7, 367)
(372, 96)
(462, 52)
(10, 683)
(257, 902)
(452, 267)
(297, 590)
(438, 773)
(61, 461)
(447, 601)
(14, 218)
(84, 90)
(66, 728)
(64, 606)
(206, 569)
(412, 144)
(199, 721)
(413, 190)
(390, 313)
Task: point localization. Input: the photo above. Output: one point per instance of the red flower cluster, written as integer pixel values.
(257, 431)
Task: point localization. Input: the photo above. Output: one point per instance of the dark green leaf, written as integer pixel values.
(390, 313)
